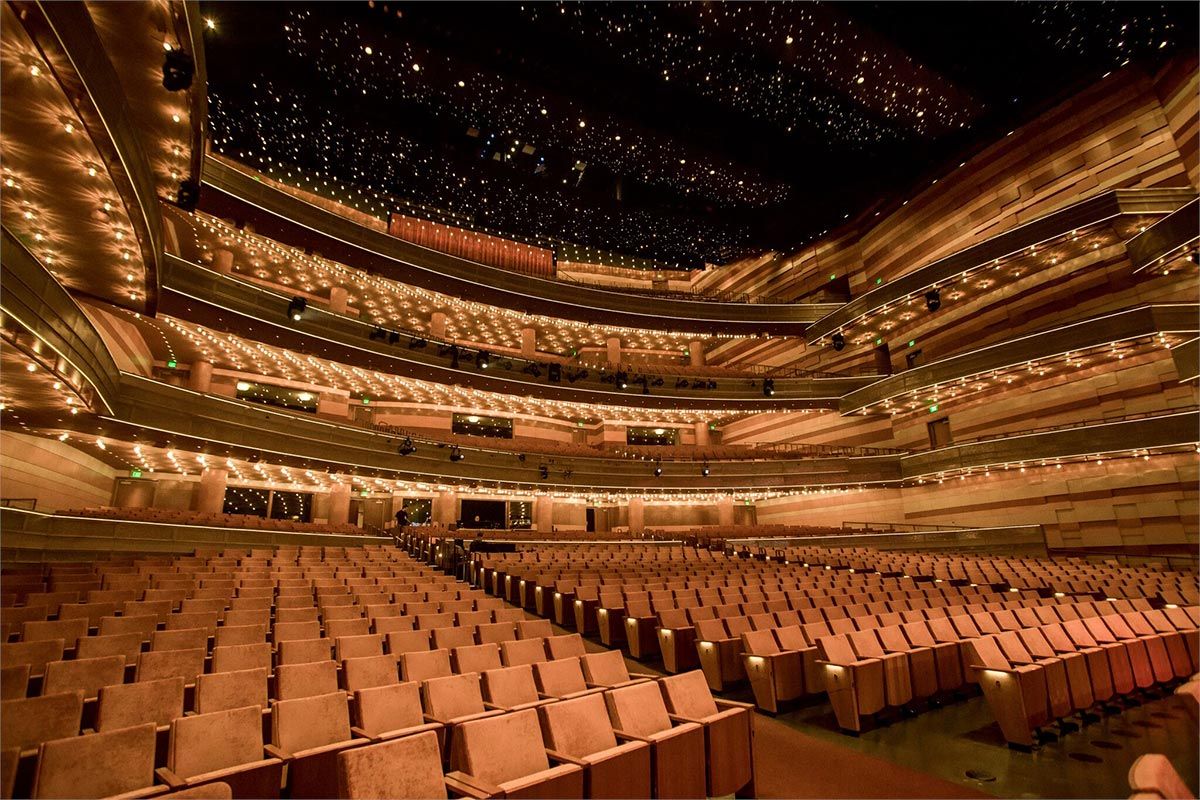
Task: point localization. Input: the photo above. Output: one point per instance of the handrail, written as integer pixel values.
(1078, 424)
(1092, 332)
(36, 300)
(236, 192)
(1173, 235)
(1164, 431)
(1125, 554)
(902, 527)
(190, 290)
(1049, 226)
(11, 502)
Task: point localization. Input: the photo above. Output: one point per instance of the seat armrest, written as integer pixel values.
(680, 719)
(630, 737)
(1005, 670)
(862, 662)
(429, 718)
(731, 704)
(469, 717)
(466, 785)
(169, 778)
(274, 752)
(360, 733)
(563, 758)
(493, 706)
(637, 676)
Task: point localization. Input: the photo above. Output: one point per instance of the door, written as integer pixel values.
(939, 433)
(591, 520)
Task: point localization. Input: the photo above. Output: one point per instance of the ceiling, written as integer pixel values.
(682, 132)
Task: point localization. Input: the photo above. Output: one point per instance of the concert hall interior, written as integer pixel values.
(599, 399)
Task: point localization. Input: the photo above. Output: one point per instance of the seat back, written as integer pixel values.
(358, 646)
(220, 691)
(496, 632)
(422, 666)
(476, 658)
(567, 646)
(407, 642)
(452, 697)
(308, 722)
(790, 637)
(380, 709)
(559, 678)
(687, 695)
(988, 654)
(125, 705)
(85, 674)
(450, 638)
(759, 643)
(837, 649)
(523, 651)
(29, 721)
(234, 657)
(638, 709)
(293, 681)
(368, 671)
(501, 748)
(205, 743)
(534, 629)
(186, 664)
(408, 768)
(865, 644)
(34, 654)
(510, 686)
(96, 765)
(578, 727)
(604, 669)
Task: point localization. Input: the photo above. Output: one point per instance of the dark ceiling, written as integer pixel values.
(682, 132)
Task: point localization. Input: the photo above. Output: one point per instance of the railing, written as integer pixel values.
(1080, 424)
(693, 295)
(900, 527)
(1051, 226)
(1172, 236)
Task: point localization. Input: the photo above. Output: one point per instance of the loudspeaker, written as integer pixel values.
(839, 341)
(187, 195)
(554, 373)
(178, 69)
(933, 299)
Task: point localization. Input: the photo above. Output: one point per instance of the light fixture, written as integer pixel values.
(296, 308)
(839, 341)
(768, 387)
(933, 299)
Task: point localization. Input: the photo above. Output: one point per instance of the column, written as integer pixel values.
(445, 507)
(210, 492)
(702, 438)
(637, 515)
(613, 348)
(200, 376)
(725, 511)
(339, 504)
(223, 261)
(529, 342)
(543, 514)
(696, 353)
(437, 325)
(337, 300)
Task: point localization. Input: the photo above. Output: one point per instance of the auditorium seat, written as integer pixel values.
(221, 691)
(476, 658)
(27, 722)
(677, 749)
(35, 655)
(676, 640)
(523, 651)
(1017, 695)
(186, 664)
(422, 666)
(608, 670)
(406, 768)
(453, 700)
(728, 732)
(511, 688)
(505, 754)
(1153, 776)
(388, 712)
(126, 645)
(776, 675)
(307, 735)
(14, 681)
(368, 671)
(567, 646)
(561, 679)
(580, 732)
(294, 681)
(225, 746)
(856, 686)
(119, 762)
(496, 632)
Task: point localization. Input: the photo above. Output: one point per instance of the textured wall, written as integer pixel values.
(55, 473)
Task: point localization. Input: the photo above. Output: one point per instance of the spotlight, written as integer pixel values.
(711, 384)
(416, 343)
(543, 472)
(933, 299)
(407, 448)
(296, 308)
(839, 341)
(554, 373)
(681, 383)
(482, 360)
(768, 387)
(187, 195)
(393, 337)
(455, 454)
(521, 457)
(178, 69)
(704, 470)
(377, 335)
(658, 472)
(532, 369)
(622, 380)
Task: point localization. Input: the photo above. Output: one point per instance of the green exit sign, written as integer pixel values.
(135, 473)
(172, 364)
(933, 409)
